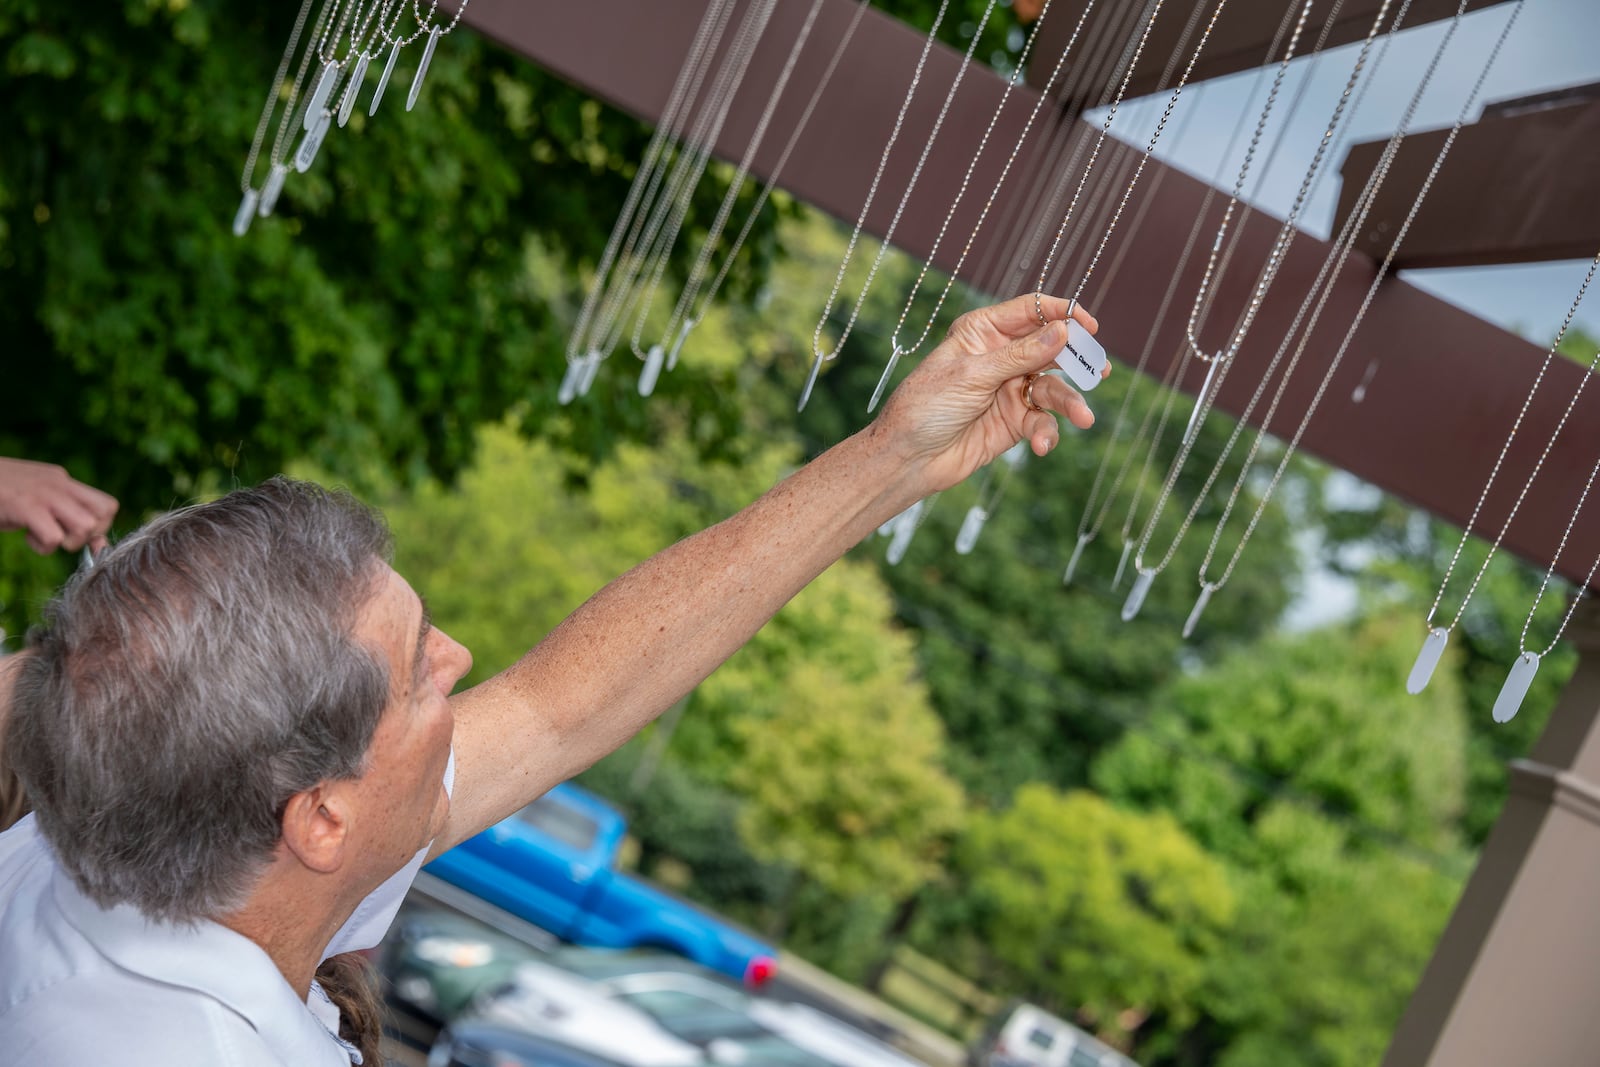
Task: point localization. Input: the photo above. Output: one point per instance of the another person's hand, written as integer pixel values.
(966, 403)
(56, 510)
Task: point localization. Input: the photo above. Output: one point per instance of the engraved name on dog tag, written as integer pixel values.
(1083, 358)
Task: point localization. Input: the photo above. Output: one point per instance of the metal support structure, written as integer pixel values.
(1444, 386)
(1514, 977)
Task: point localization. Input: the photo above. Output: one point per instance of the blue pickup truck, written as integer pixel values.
(554, 864)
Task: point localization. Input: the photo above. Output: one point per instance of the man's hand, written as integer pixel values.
(56, 510)
(965, 404)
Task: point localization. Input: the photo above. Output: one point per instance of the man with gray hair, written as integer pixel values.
(240, 739)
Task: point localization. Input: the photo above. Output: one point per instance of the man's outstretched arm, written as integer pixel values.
(650, 636)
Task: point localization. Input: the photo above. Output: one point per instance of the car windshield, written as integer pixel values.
(570, 827)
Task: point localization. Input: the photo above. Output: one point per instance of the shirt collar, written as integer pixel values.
(209, 959)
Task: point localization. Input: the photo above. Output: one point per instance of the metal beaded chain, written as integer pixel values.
(691, 288)
(988, 277)
(1337, 252)
(818, 357)
(1522, 642)
(246, 179)
(966, 180)
(1094, 155)
(425, 25)
(293, 108)
(1191, 331)
(1372, 289)
(1110, 71)
(1527, 402)
(894, 222)
(686, 175)
(1161, 124)
(711, 28)
(705, 298)
(1274, 260)
(713, 116)
(692, 126)
(1337, 255)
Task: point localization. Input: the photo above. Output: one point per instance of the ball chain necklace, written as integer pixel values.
(694, 301)
(1433, 645)
(1145, 574)
(1331, 266)
(582, 355)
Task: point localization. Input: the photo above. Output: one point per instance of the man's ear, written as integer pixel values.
(316, 828)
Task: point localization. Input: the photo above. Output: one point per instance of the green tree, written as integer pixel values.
(1335, 798)
(416, 283)
(1104, 914)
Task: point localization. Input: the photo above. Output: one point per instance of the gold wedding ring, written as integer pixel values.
(1027, 391)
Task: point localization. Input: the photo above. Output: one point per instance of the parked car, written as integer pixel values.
(484, 1044)
(553, 1003)
(702, 1007)
(640, 1031)
(554, 864)
(437, 960)
(1026, 1035)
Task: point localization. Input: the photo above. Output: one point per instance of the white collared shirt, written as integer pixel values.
(81, 984)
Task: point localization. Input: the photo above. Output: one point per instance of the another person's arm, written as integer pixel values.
(653, 634)
(56, 510)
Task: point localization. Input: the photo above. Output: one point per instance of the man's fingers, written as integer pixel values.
(1053, 394)
(77, 524)
(1020, 314)
(45, 535)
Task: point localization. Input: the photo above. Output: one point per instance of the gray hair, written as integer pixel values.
(191, 683)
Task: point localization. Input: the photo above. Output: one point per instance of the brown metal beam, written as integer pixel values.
(1519, 188)
(1239, 41)
(1446, 386)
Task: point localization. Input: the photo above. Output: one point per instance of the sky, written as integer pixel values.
(1554, 44)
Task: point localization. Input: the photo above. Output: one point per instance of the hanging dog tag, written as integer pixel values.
(1017, 454)
(677, 344)
(569, 382)
(911, 515)
(652, 369)
(883, 380)
(1083, 358)
(383, 80)
(1200, 400)
(591, 369)
(1122, 564)
(1072, 563)
(905, 529)
(311, 142)
(247, 211)
(320, 95)
(1136, 595)
(971, 527)
(422, 68)
(271, 188)
(352, 88)
(1509, 702)
(811, 382)
(1427, 659)
(1206, 589)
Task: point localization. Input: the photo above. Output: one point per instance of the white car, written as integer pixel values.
(553, 1003)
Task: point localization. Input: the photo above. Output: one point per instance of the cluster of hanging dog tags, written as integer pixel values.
(342, 42)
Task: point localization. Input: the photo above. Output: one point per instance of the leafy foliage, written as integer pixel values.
(1105, 913)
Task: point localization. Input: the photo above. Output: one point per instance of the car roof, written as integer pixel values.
(496, 1037)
